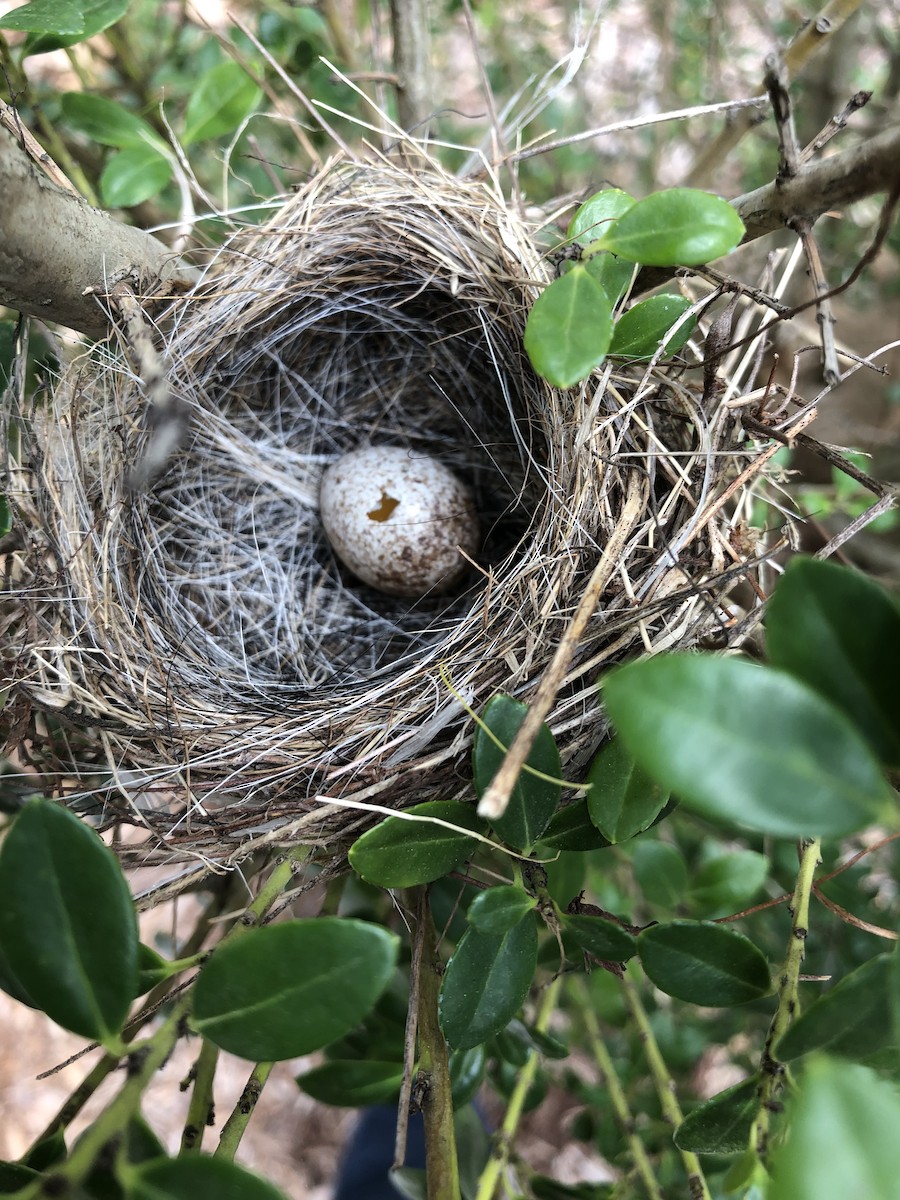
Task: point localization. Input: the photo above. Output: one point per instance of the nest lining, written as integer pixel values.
(193, 657)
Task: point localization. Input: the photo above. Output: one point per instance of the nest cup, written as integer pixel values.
(191, 657)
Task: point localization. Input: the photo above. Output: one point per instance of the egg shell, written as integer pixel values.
(396, 518)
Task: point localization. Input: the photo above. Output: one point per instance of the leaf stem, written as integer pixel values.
(234, 1127)
(772, 1070)
(665, 1087)
(497, 1163)
(617, 1096)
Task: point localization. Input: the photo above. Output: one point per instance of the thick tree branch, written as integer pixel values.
(871, 167)
(57, 252)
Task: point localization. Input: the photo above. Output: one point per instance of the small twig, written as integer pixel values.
(848, 917)
(617, 1096)
(772, 1070)
(420, 906)
(665, 1087)
(494, 802)
(201, 1108)
(412, 64)
(234, 1128)
(499, 1160)
(835, 125)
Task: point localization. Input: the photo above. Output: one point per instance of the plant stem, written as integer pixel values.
(441, 1165)
(772, 1070)
(234, 1127)
(201, 1106)
(144, 1061)
(499, 1159)
(617, 1096)
(665, 1087)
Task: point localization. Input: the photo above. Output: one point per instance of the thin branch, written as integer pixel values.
(412, 63)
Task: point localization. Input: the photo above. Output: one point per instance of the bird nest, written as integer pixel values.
(190, 658)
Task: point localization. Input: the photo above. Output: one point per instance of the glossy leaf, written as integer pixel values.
(661, 873)
(498, 909)
(45, 16)
(47, 1152)
(353, 1084)
(721, 1125)
(703, 963)
(67, 925)
(725, 883)
(224, 97)
(285, 990)
(614, 275)
(600, 937)
(466, 1073)
(853, 1019)
(594, 218)
(679, 226)
(623, 799)
(152, 969)
(15, 1176)
(569, 328)
(486, 982)
(108, 123)
(97, 15)
(134, 175)
(400, 852)
(843, 1140)
(745, 744)
(639, 332)
(839, 632)
(196, 1177)
(534, 799)
(572, 829)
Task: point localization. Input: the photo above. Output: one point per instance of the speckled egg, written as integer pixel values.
(398, 519)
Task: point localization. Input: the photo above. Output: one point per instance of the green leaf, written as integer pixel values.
(839, 632)
(613, 274)
(466, 1073)
(622, 800)
(16, 1176)
(593, 218)
(565, 877)
(5, 517)
(499, 908)
(725, 883)
(569, 328)
(97, 15)
(152, 969)
(843, 1136)
(285, 990)
(600, 937)
(486, 983)
(703, 963)
(353, 1084)
(108, 123)
(196, 1177)
(661, 873)
(571, 828)
(224, 97)
(853, 1019)
(134, 175)
(47, 1152)
(745, 744)
(721, 1125)
(678, 226)
(639, 332)
(67, 926)
(46, 16)
(400, 852)
(533, 800)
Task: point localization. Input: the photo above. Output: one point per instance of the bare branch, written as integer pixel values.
(57, 253)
